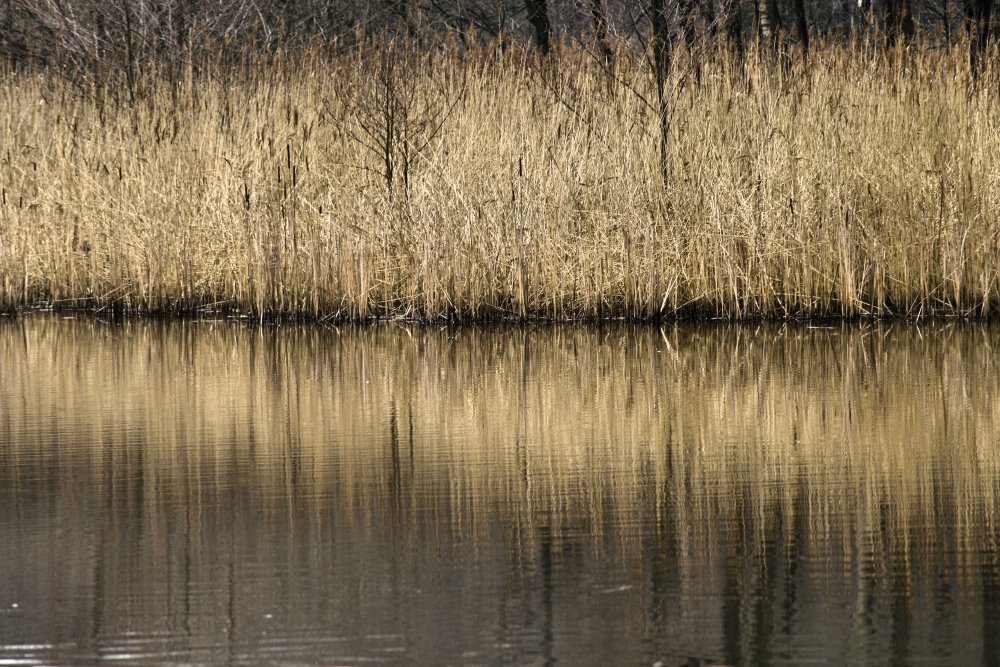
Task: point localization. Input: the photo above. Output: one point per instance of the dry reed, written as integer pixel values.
(393, 182)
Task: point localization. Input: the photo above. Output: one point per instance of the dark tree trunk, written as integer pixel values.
(802, 25)
(768, 23)
(985, 19)
(734, 27)
(712, 20)
(181, 23)
(898, 20)
(404, 9)
(130, 56)
(906, 19)
(538, 16)
(979, 18)
(662, 43)
(6, 45)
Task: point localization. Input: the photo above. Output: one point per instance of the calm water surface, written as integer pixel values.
(212, 493)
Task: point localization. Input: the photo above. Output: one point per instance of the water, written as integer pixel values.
(212, 493)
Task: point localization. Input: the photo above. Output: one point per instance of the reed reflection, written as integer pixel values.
(748, 494)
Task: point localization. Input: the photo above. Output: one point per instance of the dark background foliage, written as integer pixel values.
(75, 33)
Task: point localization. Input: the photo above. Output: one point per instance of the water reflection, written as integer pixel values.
(204, 492)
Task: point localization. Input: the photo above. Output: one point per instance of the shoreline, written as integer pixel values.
(493, 322)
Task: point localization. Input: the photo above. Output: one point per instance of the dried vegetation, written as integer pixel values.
(453, 183)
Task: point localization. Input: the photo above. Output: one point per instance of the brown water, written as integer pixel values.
(212, 493)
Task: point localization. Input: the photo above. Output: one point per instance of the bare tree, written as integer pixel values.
(397, 112)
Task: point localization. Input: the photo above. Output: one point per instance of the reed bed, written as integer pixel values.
(463, 184)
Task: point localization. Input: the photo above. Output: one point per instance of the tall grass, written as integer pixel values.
(398, 182)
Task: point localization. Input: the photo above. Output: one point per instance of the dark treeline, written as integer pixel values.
(77, 33)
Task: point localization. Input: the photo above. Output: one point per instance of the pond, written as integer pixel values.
(211, 492)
